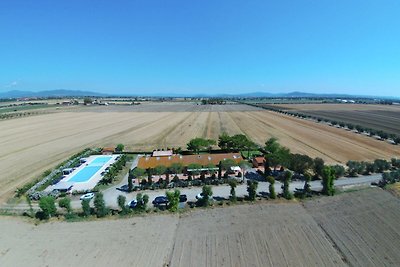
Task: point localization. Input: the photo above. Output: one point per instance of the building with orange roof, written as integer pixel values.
(203, 160)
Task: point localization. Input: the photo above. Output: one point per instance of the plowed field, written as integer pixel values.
(363, 225)
(378, 117)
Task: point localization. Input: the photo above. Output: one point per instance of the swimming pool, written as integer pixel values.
(100, 160)
(88, 171)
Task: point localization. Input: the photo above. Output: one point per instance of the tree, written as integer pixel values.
(173, 200)
(339, 170)
(194, 168)
(318, 166)
(48, 206)
(87, 101)
(142, 201)
(233, 184)
(100, 205)
(225, 142)
(176, 168)
(267, 170)
(65, 203)
(287, 178)
(206, 195)
(130, 183)
(300, 163)
(354, 167)
(198, 144)
(307, 186)
(381, 165)
(271, 187)
(241, 142)
(220, 170)
(276, 153)
(328, 177)
(160, 170)
(86, 207)
(252, 189)
(272, 145)
(121, 203)
(226, 164)
(138, 172)
(150, 172)
(369, 168)
(119, 148)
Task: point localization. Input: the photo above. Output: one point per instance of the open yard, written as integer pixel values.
(31, 145)
(352, 229)
(378, 117)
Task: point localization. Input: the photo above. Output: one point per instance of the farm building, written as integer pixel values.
(162, 153)
(258, 162)
(108, 150)
(202, 159)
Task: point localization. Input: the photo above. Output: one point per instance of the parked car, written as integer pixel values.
(87, 196)
(182, 198)
(160, 200)
(132, 204)
(124, 188)
(199, 196)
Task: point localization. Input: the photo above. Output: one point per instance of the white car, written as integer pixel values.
(87, 196)
(199, 196)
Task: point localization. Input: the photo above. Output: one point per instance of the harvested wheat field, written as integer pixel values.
(256, 235)
(30, 145)
(363, 226)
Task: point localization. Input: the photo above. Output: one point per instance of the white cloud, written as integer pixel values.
(11, 84)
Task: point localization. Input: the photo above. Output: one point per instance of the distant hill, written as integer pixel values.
(79, 93)
(49, 93)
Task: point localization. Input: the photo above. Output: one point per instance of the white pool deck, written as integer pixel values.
(89, 184)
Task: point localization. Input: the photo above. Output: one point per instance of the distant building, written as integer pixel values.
(165, 153)
(108, 150)
(258, 162)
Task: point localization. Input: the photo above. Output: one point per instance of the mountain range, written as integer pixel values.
(79, 93)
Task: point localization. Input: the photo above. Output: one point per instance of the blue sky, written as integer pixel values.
(150, 47)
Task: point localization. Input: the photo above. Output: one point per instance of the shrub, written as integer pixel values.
(173, 200)
(328, 177)
(233, 184)
(207, 193)
(86, 207)
(339, 170)
(100, 205)
(286, 193)
(121, 203)
(271, 187)
(48, 206)
(252, 189)
(120, 148)
(65, 203)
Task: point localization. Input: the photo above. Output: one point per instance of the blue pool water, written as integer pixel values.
(88, 171)
(100, 160)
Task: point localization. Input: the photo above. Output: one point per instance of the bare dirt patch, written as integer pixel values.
(363, 225)
(130, 242)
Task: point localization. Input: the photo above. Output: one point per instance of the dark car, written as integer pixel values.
(161, 200)
(182, 198)
(124, 188)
